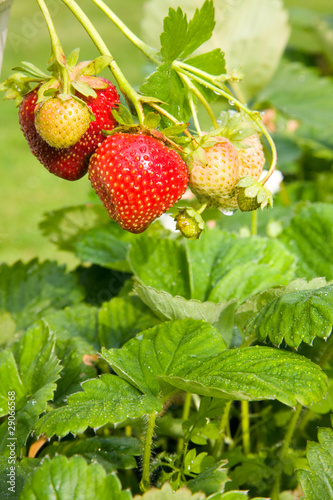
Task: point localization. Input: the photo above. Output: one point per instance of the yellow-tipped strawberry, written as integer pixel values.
(61, 121)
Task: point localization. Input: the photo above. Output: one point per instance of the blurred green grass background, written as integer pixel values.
(27, 190)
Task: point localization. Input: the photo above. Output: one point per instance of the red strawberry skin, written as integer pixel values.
(138, 178)
(70, 163)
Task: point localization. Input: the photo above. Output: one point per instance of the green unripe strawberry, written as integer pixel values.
(62, 122)
(251, 195)
(190, 223)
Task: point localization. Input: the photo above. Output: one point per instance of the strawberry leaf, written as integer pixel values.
(200, 28)
(106, 246)
(252, 373)
(317, 483)
(167, 493)
(108, 399)
(295, 317)
(74, 479)
(161, 264)
(173, 38)
(167, 307)
(34, 364)
(121, 319)
(249, 265)
(212, 62)
(190, 355)
(112, 452)
(29, 290)
(310, 237)
(164, 84)
(67, 225)
(155, 352)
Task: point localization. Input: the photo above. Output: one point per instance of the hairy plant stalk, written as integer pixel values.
(145, 481)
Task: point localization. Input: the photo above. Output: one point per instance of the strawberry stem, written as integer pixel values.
(123, 84)
(57, 50)
(145, 49)
(199, 95)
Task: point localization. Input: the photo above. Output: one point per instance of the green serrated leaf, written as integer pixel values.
(23, 470)
(310, 237)
(112, 452)
(28, 291)
(317, 483)
(106, 246)
(120, 319)
(167, 493)
(167, 307)
(108, 399)
(173, 38)
(200, 28)
(296, 317)
(161, 264)
(201, 255)
(253, 373)
(249, 265)
(154, 352)
(164, 84)
(212, 62)
(75, 479)
(65, 226)
(210, 481)
(38, 368)
(252, 33)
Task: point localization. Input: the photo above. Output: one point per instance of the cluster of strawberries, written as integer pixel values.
(137, 175)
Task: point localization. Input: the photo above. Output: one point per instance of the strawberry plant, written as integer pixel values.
(189, 354)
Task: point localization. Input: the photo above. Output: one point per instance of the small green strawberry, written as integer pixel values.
(252, 195)
(189, 223)
(62, 121)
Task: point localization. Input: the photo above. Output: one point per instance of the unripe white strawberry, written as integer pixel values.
(215, 172)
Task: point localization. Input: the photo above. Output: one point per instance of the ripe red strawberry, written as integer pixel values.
(213, 178)
(138, 178)
(70, 163)
(62, 122)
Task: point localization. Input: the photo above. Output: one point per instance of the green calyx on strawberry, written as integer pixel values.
(138, 178)
(221, 158)
(252, 195)
(189, 223)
